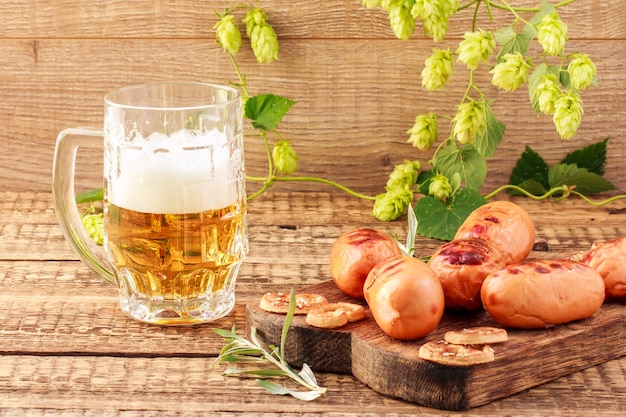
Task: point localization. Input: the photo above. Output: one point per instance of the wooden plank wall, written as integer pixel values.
(357, 88)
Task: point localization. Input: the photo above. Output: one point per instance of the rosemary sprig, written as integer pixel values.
(238, 349)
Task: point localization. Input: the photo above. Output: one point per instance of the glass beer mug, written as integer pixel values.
(175, 230)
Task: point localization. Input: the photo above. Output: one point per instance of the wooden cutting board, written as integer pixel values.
(393, 368)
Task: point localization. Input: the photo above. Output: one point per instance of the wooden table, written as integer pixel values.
(67, 349)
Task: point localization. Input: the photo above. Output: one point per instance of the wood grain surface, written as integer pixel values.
(356, 87)
(66, 349)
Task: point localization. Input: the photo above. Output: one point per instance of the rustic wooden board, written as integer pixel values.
(392, 368)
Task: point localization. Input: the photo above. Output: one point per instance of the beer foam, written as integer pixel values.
(185, 172)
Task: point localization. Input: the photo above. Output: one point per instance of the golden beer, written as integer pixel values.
(181, 264)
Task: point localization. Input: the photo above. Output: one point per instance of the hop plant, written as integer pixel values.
(552, 34)
(582, 71)
(435, 16)
(511, 72)
(470, 120)
(404, 175)
(424, 131)
(547, 92)
(94, 224)
(475, 48)
(440, 187)
(568, 112)
(284, 157)
(400, 19)
(227, 33)
(263, 39)
(371, 4)
(437, 69)
(392, 204)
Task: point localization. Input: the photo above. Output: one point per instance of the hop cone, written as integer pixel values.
(284, 157)
(582, 71)
(470, 120)
(568, 113)
(552, 34)
(424, 131)
(437, 70)
(228, 34)
(476, 48)
(511, 72)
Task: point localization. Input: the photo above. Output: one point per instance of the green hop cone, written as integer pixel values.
(392, 204)
(435, 16)
(263, 39)
(424, 131)
(264, 43)
(254, 18)
(469, 121)
(547, 92)
(582, 71)
(400, 19)
(94, 224)
(552, 34)
(440, 187)
(284, 157)
(568, 113)
(403, 175)
(476, 47)
(511, 72)
(371, 4)
(228, 34)
(437, 69)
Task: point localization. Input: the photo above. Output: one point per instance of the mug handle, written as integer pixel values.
(67, 144)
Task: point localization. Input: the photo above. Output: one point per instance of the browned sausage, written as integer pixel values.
(542, 293)
(504, 224)
(609, 260)
(461, 266)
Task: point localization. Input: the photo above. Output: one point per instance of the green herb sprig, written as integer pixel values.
(245, 351)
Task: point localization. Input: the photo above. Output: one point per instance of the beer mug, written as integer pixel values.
(175, 230)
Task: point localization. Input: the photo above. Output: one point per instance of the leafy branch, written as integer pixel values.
(265, 111)
(241, 350)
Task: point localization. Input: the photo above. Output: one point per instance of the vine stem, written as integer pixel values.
(273, 178)
(566, 190)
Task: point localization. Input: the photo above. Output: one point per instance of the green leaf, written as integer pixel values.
(571, 175)
(465, 161)
(512, 42)
(592, 157)
(267, 110)
(546, 8)
(274, 388)
(90, 196)
(487, 142)
(531, 186)
(423, 181)
(440, 221)
(531, 173)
